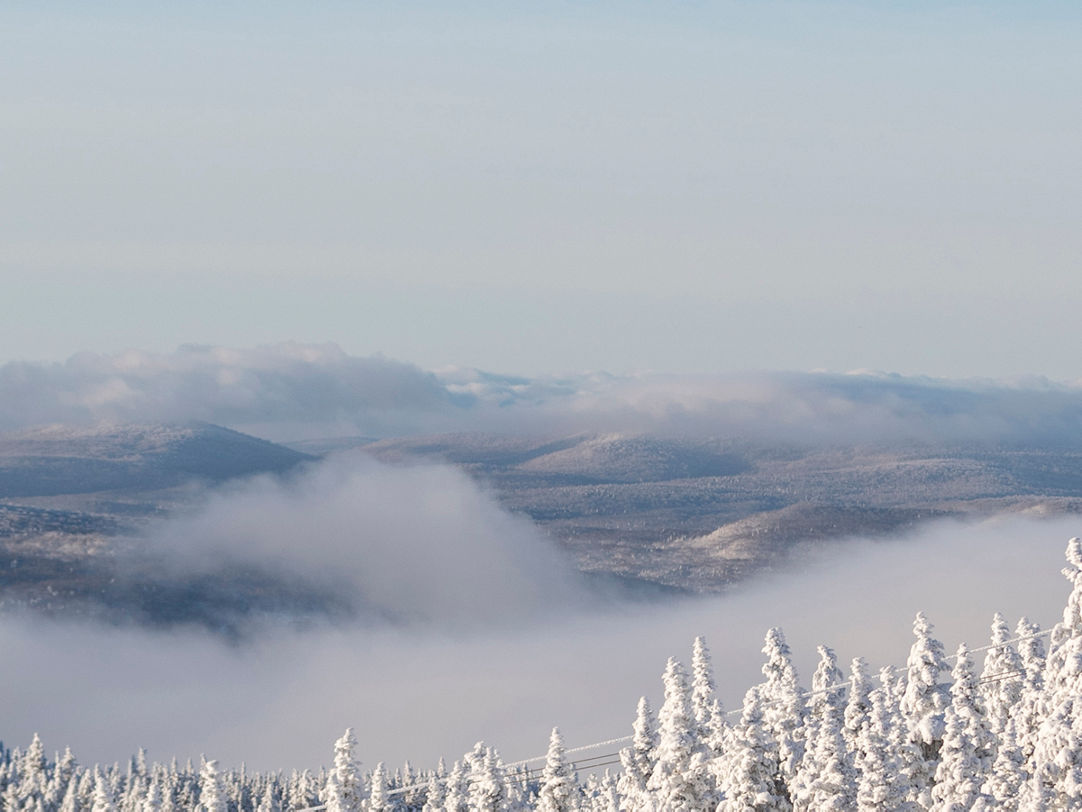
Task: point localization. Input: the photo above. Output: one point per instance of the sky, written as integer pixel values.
(539, 188)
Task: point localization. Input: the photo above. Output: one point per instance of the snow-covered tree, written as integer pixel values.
(1057, 757)
(488, 792)
(702, 687)
(924, 705)
(752, 780)
(212, 797)
(377, 791)
(1001, 683)
(825, 706)
(638, 759)
(458, 789)
(883, 781)
(344, 788)
(966, 753)
(783, 706)
(559, 785)
(672, 781)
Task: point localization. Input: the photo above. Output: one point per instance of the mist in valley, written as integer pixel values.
(466, 623)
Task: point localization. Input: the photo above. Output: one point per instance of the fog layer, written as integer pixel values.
(420, 691)
(415, 544)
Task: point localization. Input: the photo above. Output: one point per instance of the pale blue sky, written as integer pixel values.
(547, 187)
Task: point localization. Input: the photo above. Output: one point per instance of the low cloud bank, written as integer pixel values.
(286, 385)
(406, 544)
(419, 692)
(293, 391)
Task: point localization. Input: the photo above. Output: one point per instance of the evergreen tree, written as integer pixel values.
(343, 789)
(702, 688)
(377, 791)
(751, 779)
(458, 789)
(825, 706)
(965, 757)
(671, 782)
(212, 796)
(924, 705)
(1057, 758)
(104, 800)
(559, 785)
(488, 792)
(883, 781)
(783, 706)
(638, 759)
(1027, 715)
(1001, 682)
(858, 707)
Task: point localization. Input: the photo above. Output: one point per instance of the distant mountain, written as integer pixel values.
(698, 513)
(59, 460)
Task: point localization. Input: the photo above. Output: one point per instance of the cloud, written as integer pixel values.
(283, 385)
(296, 391)
(419, 692)
(407, 544)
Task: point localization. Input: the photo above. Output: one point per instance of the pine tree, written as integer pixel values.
(377, 791)
(882, 784)
(1057, 758)
(826, 779)
(751, 779)
(783, 706)
(924, 705)
(858, 706)
(826, 705)
(965, 757)
(1027, 715)
(1001, 683)
(212, 796)
(458, 789)
(671, 782)
(559, 785)
(488, 792)
(343, 789)
(639, 758)
(702, 687)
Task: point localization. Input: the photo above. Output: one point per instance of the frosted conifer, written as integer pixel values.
(882, 784)
(559, 786)
(458, 789)
(212, 796)
(677, 741)
(377, 791)
(826, 700)
(104, 800)
(858, 706)
(343, 790)
(702, 687)
(783, 705)
(924, 704)
(965, 755)
(751, 778)
(1001, 685)
(638, 759)
(1057, 758)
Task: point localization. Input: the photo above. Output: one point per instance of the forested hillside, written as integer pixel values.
(939, 733)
